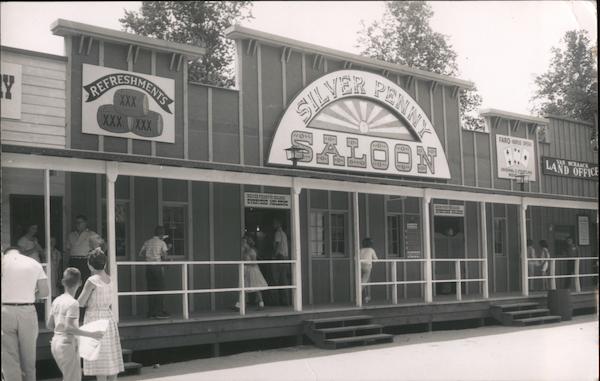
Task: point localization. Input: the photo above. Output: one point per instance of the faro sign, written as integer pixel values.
(358, 121)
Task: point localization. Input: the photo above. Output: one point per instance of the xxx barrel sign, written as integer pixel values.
(128, 105)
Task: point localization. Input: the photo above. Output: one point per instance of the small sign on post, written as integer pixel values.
(266, 200)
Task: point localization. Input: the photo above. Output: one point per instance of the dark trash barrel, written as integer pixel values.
(559, 303)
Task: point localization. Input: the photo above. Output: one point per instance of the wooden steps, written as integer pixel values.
(345, 331)
(522, 314)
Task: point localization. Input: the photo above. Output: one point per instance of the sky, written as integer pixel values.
(501, 45)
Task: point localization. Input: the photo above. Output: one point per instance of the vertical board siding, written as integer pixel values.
(250, 106)
(43, 104)
(174, 150)
(484, 161)
(468, 156)
(293, 76)
(438, 115)
(225, 127)
(201, 237)
(272, 88)
(198, 122)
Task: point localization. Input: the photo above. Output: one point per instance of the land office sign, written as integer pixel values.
(127, 105)
(357, 121)
(569, 168)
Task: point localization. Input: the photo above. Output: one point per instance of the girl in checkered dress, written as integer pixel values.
(97, 297)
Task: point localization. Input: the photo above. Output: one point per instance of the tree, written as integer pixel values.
(570, 86)
(404, 36)
(200, 23)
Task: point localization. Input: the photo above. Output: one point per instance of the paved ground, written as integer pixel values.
(562, 351)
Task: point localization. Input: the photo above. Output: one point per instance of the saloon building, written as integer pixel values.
(115, 130)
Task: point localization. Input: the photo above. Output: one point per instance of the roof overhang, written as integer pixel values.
(491, 112)
(63, 28)
(238, 32)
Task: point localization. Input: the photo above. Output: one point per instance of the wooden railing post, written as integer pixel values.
(242, 292)
(458, 283)
(553, 274)
(395, 285)
(184, 287)
(577, 280)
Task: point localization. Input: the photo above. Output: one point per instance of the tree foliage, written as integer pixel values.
(200, 23)
(570, 86)
(404, 36)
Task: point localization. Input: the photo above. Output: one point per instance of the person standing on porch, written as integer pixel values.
(570, 252)
(155, 250)
(544, 263)
(253, 277)
(281, 271)
(97, 296)
(532, 266)
(367, 254)
(29, 246)
(23, 281)
(79, 243)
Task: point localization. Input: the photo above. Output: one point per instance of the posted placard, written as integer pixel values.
(266, 200)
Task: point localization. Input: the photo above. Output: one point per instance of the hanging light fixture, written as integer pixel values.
(294, 153)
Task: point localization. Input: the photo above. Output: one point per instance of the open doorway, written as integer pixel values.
(259, 224)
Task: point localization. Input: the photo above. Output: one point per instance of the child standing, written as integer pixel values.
(97, 297)
(64, 320)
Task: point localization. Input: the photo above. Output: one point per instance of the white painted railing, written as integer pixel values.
(394, 276)
(185, 291)
(552, 273)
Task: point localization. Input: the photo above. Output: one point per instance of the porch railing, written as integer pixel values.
(552, 273)
(185, 290)
(458, 279)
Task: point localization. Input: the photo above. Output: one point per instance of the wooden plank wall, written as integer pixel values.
(42, 122)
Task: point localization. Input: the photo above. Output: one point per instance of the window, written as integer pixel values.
(121, 226)
(338, 234)
(317, 234)
(499, 236)
(174, 222)
(394, 234)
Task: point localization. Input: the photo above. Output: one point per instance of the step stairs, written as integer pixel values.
(522, 314)
(345, 331)
(131, 367)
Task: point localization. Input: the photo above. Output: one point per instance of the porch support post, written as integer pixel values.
(356, 236)
(49, 268)
(425, 201)
(296, 247)
(523, 236)
(111, 178)
(484, 250)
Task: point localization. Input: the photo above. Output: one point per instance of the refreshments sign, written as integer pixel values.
(128, 105)
(357, 121)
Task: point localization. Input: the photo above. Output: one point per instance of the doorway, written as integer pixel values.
(259, 225)
(28, 210)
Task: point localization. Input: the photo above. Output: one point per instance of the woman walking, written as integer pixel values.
(252, 275)
(97, 297)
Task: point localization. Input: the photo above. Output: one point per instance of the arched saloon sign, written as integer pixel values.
(359, 121)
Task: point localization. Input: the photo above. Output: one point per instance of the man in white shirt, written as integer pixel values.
(281, 271)
(156, 250)
(23, 281)
(79, 243)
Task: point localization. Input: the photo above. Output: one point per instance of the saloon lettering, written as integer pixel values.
(355, 156)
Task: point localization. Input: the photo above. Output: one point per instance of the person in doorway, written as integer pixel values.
(57, 268)
(156, 250)
(29, 246)
(23, 281)
(532, 265)
(281, 271)
(79, 243)
(64, 320)
(544, 263)
(570, 252)
(367, 255)
(252, 275)
(97, 296)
